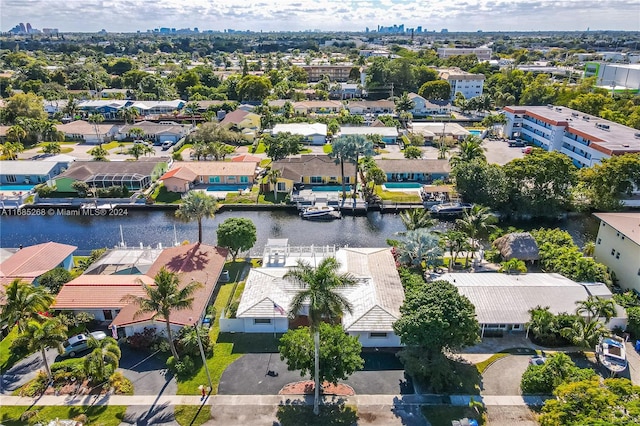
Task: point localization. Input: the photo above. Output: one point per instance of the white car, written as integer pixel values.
(80, 343)
(537, 360)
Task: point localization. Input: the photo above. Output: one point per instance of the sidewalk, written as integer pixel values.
(265, 400)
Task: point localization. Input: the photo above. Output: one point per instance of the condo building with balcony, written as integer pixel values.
(585, 138)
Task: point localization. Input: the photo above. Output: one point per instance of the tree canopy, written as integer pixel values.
(237, 234)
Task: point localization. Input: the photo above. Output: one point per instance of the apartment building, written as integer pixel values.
(338, 73)
(618, 247)
(585, 138)
(617, 77)
(482, 53)
(470, 85)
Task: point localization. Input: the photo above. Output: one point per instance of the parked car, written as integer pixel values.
(80, 343)
(537, 360)
(167, 145)
(516, 143)
(527, 150)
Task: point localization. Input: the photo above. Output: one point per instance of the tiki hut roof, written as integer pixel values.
(517, 245)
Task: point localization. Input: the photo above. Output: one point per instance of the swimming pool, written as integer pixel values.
(475, 132)
(330, 188)
(24, 188)
(227, 188)
(402, 185)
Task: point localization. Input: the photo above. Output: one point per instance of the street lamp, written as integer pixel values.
(204, 359)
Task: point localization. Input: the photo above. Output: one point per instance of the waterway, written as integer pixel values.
(153, 227)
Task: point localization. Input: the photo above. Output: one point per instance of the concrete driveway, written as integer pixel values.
(248, 376)
(503, 376)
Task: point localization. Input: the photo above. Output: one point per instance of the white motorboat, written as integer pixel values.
(449, 209)
(320, 213)
(611, 354)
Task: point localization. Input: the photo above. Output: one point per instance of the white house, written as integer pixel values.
(618, 247)
(503, 301)
(88, 132)
(388, 134)
(314, 134)
(376, 298)
(470, 85)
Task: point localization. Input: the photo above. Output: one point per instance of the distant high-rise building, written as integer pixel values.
(29, 29)
(419, 29)
(22, 28)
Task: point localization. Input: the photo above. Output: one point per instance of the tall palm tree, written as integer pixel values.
(470, 149)
(103, 360)
(197, 206)
(136, 151)
(23, 302)
(128, 113)
(417, 218)
(273, 175)
(403, 106)
(39, 335)
(340, 151)
(192, 109)
(476, 223)
(356, 146)
(319, 294)
(164, 297)
(95, 120)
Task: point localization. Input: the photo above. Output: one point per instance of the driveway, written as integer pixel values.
(149, 376)
(24, 370)
(503, 376)
(248, 376)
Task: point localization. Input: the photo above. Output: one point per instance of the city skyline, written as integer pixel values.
(330, 15)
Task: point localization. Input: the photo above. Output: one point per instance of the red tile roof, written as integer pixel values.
(246, 158)
(184, 173)
(33, 261)
(192, 262)
(99, 291)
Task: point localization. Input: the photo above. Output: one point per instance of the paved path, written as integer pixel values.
(633, 359)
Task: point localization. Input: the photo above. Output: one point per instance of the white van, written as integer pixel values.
(167, 145)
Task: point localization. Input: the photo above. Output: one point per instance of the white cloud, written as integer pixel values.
(352, 15)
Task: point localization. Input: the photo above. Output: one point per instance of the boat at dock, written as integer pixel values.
(320, 213)
(611, 354)
(450, 209)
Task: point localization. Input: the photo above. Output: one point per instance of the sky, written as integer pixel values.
(329, 15)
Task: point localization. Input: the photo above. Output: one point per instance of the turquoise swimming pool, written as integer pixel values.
(330, 188)
(402, 185)
(24, 188)
(228, 188)
(475, 132)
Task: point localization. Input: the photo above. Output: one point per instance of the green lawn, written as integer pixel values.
(183, 147)
(64, 150)
(397, 196)
(327, 148)
(260, 149)
(305, 151)
(8, 358)
(442, 415)
(116, 144)
(265, 162)
(161, 195)
(111, 415)
(192, 415)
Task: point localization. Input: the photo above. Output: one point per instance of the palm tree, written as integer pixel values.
(512, 266)
(340, 151)
(98, 153)
(596, 307)
(196, 206)
(23, 302)
(11, 149)
(476, 222)
(16, 133)
(455, 241)
(355, 146)
(542, 323)
(39, 335)
(71, 108)
(128, 113)
(404, 105)
(319, 294)
(470, 149)
(585, 334)
(103, 360)
(419, 246)
(164, 297)
(273, 175)
(137, 150)
(96, 119)
(192, 109)
(416, 218)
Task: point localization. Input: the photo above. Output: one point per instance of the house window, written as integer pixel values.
(618, 255)
(613, 252)
(214, 179)
(231, 178)
(316, 179)
(281, 187)
(622, 237)
(516, 327)
(599, 240)
(108, 315)
(11, 178)
(377, 335)
(258, 321)
(244, 179)
(346, 180)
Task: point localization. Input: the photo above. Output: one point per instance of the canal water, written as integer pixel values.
(153, 227)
